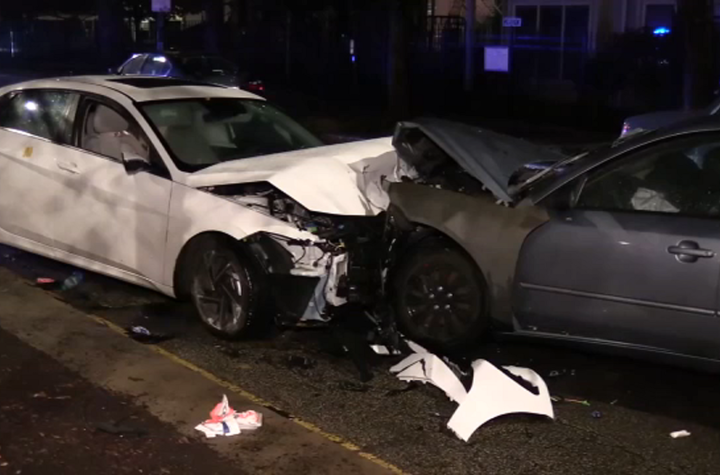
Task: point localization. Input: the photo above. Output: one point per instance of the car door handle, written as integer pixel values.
(690, 251)
(68, 166)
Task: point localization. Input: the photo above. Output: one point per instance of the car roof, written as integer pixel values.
(144, 88)
(180, 54)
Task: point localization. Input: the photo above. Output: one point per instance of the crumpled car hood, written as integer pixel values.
(489, 157)
(334, 179)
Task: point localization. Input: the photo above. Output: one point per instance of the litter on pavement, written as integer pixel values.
(44, 281)
(224, 421)
(679, 434)
(143, 335)
(495, 391)
(73, 281)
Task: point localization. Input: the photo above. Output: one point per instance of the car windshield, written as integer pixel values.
(202, 132)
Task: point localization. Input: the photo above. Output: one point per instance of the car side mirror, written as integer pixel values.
(134, 163)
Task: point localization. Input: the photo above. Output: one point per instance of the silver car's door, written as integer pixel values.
(636, 258)
(35, 125)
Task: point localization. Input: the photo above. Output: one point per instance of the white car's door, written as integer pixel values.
(108, 215)
(35, 127)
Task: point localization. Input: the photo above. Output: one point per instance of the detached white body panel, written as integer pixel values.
(494, 394)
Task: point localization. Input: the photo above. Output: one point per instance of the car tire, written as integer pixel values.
(440, 297)
(223, 286)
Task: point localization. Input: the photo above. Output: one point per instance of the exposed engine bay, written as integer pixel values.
(312, 277)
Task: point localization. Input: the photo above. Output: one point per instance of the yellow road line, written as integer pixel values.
(255, 399)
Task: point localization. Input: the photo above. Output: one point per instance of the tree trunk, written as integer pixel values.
(213, 24)
(109, 30)
(398, 99)
(696, 29)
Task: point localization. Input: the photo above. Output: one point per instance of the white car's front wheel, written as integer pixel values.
(223, 288)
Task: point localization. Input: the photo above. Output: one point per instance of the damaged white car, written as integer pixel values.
(193, 190)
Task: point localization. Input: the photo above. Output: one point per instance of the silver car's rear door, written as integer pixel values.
(637, 258)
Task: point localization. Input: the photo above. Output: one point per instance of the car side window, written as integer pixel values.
(109, 133)
(156, 66)
(680, 176)
(46, 114)
(133, 66)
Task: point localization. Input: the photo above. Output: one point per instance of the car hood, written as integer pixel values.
(334, 179)
(489, 157)
(656, 120)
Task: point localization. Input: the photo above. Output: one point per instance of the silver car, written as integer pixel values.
(617, 248)
(656, 120)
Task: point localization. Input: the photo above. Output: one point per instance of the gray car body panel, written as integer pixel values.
(491, 234)
(584, 275)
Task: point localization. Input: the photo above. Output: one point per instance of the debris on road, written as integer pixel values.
(596, 414)
(143, 335)
(224, 421)
(425, 367)
(583, 402)
(384, 350)
(678, 434)
(495, 391)
(73, 280)
(44, 281)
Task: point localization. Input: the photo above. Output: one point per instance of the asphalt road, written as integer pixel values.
(304, 372)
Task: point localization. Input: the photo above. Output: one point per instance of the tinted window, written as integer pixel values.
(203, 132)
(108, 132)
(133, 66)
(156, 66)
(676, 177)
(47, 114)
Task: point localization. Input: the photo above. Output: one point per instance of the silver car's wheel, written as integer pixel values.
(222, 290)
(440, 298)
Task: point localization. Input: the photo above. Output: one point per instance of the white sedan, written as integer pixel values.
(193, 190)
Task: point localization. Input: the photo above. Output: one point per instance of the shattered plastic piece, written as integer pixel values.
(494, 393)
(384, 350)
(44, 280)
(225, 421)
(679, 434)
(428, 368)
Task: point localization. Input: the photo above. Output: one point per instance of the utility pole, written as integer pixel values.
(696, 30)
(160, 31)
(469, 44)
(161, 8)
